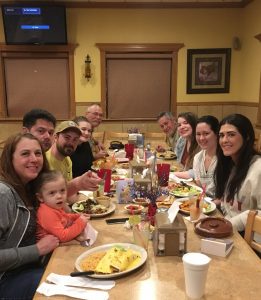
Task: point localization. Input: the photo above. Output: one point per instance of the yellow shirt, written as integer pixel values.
(65, 165)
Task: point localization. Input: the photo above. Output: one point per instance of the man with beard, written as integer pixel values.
(66, 139)
(41, 124)
(168, 124)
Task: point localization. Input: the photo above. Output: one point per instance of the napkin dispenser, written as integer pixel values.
(136, 139)
(170, 239)
(137, 167)
(143, 182)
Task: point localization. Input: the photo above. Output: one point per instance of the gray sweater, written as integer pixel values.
(14, 218)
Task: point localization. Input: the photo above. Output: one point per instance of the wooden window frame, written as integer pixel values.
(37, 51)
(117, 48)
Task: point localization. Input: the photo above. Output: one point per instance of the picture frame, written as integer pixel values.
(208, 70)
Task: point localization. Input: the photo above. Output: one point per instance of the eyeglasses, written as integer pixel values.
(95, 114)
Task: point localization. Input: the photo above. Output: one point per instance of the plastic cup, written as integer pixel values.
(141, 235)
(105, 174)
(195, 270)
(163, 174)
(129, 149)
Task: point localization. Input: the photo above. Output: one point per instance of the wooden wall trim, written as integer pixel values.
(238, 103)
(126, 4)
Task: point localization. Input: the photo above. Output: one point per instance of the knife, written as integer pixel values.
(84, 273)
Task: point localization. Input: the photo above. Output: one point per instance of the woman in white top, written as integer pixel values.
(205, 161)
(238, 170)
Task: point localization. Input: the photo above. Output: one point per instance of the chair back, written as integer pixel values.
(98, 136)
(253, 226)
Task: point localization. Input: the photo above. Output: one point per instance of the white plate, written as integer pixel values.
(173, 177)
(140, 250)
(204, 211)
(196, 191)
(87, 193)
(111, 209)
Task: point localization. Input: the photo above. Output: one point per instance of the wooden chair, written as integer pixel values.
(258, 143)
(253, 225)
(155, 138)
(98, 136)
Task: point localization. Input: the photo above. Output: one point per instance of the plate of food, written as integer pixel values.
(134, 209)
(116, 177)
(141, 201)
(184, 190)
(111, 260)
(92, 207)
(167, 155)
(208, 206)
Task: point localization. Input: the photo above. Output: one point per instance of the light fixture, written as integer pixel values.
(88, 73)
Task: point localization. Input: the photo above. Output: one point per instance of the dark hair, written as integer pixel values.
(211, 121)
(46, 177)
(225, 163)
(166, 114)
(192, 121)
(79, 119)
(8, 173)
(31, 117)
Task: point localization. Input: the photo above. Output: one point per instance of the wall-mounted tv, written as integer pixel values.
(34, 24)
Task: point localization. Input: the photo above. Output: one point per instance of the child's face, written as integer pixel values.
(54, 193)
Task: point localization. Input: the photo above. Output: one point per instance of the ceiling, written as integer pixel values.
(144, 3)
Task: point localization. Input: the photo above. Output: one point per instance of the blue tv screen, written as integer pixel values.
(37, 25)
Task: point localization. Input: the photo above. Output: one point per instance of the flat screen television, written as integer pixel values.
(34, 24)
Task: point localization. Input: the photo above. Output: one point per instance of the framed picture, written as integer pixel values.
(208, 70)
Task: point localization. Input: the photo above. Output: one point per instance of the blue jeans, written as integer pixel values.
(20, 284)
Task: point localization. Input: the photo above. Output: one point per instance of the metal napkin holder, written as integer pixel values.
(170, 239)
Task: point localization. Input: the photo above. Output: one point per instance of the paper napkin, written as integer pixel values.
(90, 234)
(80, 281)
(48, 289)
(173, 211)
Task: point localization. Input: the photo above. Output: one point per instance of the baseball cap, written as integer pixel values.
(65, 125)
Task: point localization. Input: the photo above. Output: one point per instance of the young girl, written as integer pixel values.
(51, 191)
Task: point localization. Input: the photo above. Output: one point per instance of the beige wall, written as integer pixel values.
(196, 28)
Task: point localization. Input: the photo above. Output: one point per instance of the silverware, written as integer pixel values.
(84, 273)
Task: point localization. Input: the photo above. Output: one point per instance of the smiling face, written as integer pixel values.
(167, 125)
(230, 140)
(86, 129)
(54, 193)
(67, 142)
(94, 115)
(184, 128)
(206, 138)
(27, 159)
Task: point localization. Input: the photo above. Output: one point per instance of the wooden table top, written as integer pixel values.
(236, 277)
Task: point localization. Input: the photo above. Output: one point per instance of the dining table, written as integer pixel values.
(236, 276)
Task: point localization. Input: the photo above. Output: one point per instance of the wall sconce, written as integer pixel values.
(88, 73)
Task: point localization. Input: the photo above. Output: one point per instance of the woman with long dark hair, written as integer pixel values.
(205, 161)
(186, 146)
(238, 170)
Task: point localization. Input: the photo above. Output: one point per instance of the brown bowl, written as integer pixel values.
(141, 201)
(214, 227)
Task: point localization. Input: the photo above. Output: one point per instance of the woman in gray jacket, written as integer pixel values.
(22, 160)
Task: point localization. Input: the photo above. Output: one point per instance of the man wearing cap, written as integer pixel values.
(66, 139)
